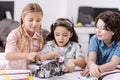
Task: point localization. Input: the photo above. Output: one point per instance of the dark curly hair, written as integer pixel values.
(64, 22)
(112, 23)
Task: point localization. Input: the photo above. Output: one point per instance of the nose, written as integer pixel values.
(34, 23)
(61, 37)
(98, 30)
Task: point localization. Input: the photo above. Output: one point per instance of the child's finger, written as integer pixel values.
(66, 69)
(85, 73)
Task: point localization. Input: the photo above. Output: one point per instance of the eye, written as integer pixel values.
(38, 20)
(65, 35)
(101, 28)
(30, 20)
(57, 34)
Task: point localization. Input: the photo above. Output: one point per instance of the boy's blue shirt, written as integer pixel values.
(104, 54)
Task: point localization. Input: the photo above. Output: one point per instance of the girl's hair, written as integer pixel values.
(64, 22)
(31, 7)
(112, 23)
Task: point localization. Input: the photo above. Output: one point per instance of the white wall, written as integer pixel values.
(74, 4)
(54, 9)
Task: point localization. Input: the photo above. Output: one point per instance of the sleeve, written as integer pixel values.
(78, 51)
(117, 50)
(46, 48)
(11, 44)
(93, 45)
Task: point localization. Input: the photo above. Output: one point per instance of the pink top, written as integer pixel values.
(13, 45)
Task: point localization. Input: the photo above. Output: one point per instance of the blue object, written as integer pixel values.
(78, 78)
(88, 76)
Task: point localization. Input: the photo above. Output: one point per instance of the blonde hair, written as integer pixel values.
(31, 7)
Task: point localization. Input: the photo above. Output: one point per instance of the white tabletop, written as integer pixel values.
(111, 75)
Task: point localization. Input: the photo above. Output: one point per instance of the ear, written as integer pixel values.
(113, 33)
(22, 17)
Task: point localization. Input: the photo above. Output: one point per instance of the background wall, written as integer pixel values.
(73, 5)
(54, 9)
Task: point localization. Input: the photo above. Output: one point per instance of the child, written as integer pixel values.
(104, 48)
(24, 42)
(64, 41)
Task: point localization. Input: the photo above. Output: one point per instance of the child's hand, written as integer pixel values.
(69, 66)
(31, 56)
(50, 55)
(85, 72)
(94, 70)
(55, 55)
(38, 56)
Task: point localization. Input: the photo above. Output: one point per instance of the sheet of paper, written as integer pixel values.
(15, 74)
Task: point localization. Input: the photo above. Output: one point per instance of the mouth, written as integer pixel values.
(34, 27)
(60, 42)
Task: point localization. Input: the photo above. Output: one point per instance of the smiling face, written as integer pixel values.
(32, 22)
(62, 36)
(102, 33)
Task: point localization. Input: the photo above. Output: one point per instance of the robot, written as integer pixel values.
(48, 68)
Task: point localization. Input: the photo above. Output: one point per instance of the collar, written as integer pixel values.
(53, 44)
(36, 35)
(103, 45)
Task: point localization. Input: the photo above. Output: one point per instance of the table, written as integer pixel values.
(111, 75)
(15, 74)
(22, 74)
